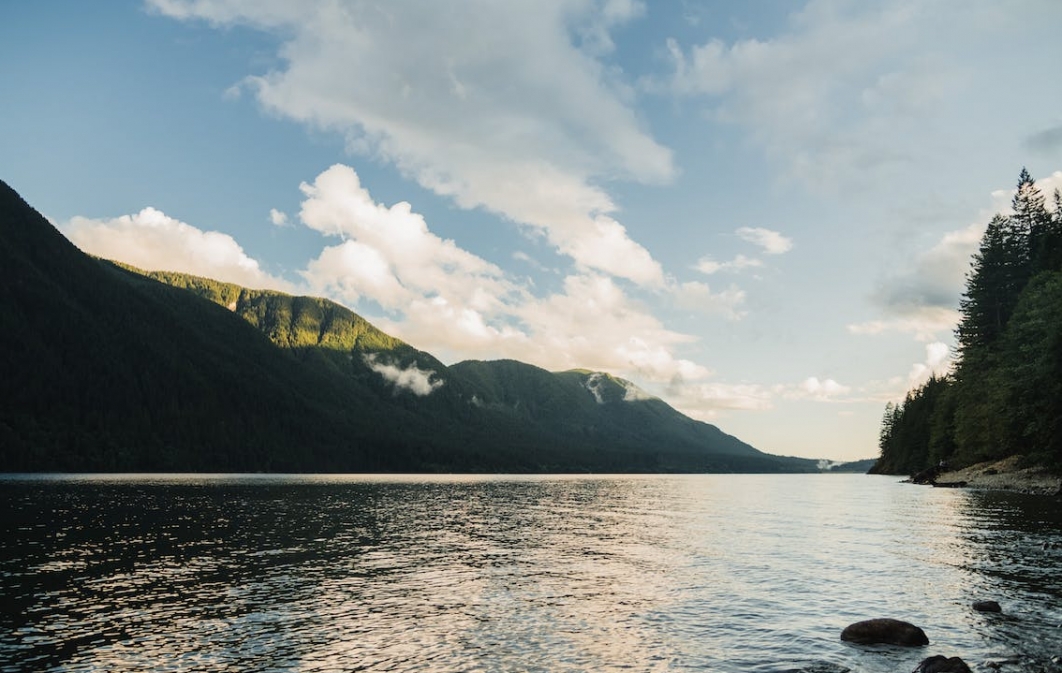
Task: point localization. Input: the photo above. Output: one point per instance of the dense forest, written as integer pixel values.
(1003, 396)
(108, 368)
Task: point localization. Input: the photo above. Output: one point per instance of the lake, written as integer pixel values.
(464, 573)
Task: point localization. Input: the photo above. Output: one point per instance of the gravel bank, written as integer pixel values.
(1005, 475)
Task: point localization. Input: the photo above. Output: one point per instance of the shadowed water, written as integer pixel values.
(668, 573)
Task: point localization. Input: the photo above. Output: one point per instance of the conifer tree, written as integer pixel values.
(1005, 393)
(1029, 225)
(992, 288)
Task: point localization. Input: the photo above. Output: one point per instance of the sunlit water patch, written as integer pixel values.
(658, 573)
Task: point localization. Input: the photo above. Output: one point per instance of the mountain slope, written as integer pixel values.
(104, 367)
(532, 418)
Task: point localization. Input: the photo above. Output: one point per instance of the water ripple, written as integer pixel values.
(720, 573)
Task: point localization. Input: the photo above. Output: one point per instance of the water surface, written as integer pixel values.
(629, 573)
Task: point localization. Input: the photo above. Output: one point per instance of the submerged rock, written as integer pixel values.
(884, 632)
(987, 606)
(942, 664)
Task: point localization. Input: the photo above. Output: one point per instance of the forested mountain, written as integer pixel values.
(107, 368)
(1004, 395)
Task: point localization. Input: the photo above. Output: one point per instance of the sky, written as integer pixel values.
(760, 212)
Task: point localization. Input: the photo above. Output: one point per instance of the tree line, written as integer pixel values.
(1003, 395)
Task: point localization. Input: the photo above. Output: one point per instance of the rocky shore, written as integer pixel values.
(1005, 475)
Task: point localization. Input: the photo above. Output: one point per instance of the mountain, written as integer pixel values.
(108, 368)
(855, 466)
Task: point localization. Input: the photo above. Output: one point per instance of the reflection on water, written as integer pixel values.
(719, 573)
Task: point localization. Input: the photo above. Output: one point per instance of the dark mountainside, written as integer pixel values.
(106, 368)
(1003, 397)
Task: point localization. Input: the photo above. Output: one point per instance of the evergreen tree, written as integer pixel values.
(1005, 394)
(992, 288)
(1051, 248)
(1032, 359)
(1030, 226)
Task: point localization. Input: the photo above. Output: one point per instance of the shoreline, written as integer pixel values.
(1005, 475)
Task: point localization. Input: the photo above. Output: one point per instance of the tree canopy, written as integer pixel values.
(1003, 396)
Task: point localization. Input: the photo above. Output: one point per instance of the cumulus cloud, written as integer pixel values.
(491, 104)
(938, 362)
(772, 242)
(819, 389)
(153, 241)
(278, 218)
(592, 323)
(389, 254)
(456, 304)
(414, 379)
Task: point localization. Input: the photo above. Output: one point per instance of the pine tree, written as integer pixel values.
(992, 288)
(1051, 255)
(1030, 225)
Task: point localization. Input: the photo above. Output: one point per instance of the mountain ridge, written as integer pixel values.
(109, 367)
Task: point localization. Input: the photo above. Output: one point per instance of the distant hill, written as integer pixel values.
(107, 368)
(857, 466)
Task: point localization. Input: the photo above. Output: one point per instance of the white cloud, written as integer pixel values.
(819, 389)
(706, 400)
(708, 266)
(451, 302)
(592, 323)
(153, 241)
(695, 296)
(938, 362)
(1001, 198)
(414, 379)
(925, 323)
(490, 104)
(921, 298)
(278, 217)
(389, 256)
(846, 92)
(772, 242)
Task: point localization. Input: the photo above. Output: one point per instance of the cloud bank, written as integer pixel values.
(490, 104)
(153, 241)
(846, 93)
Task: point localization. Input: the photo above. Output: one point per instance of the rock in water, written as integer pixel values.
(987, 606)
(941, 664)
(885, 632)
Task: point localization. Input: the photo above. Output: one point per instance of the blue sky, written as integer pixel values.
(760, 212)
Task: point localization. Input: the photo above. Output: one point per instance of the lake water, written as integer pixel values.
(628, 573)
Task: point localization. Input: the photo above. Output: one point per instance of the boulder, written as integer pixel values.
(884, 632)
(942, 664)
(987, 606)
